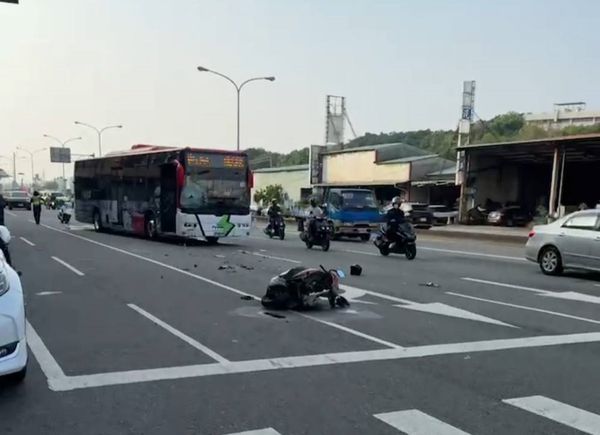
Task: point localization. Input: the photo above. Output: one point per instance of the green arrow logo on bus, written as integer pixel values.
(224, 225)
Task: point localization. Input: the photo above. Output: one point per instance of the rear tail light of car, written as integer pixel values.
(531, 234)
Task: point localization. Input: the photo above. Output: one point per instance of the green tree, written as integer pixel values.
(266, 194)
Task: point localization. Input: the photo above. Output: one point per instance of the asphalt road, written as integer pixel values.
(129, 336)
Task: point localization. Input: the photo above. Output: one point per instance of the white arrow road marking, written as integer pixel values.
(415, 422)
(523, 307)
(573, 296)
(584, 421)
(267, 431)
(353, 293)
(449, 310)
(48, 293)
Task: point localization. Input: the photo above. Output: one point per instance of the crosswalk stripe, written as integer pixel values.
(584, 421)
(267, 431)
(415, 422)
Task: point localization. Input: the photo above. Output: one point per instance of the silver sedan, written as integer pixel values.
(570, 242)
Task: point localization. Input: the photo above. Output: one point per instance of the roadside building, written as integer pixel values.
(293, 179)
(389, 169)
(564, 115)
(554, 174)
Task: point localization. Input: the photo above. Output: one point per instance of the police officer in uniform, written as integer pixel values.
(36, 204)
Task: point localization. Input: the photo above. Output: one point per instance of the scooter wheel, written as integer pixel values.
(384, 250)
(325, 245)
(411, 252)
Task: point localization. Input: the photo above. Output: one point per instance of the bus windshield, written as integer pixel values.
(215, 186)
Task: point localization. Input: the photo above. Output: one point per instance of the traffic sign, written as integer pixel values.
(60, 155)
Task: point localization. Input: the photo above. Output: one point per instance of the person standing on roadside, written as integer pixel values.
(2, 205)
(36, 204)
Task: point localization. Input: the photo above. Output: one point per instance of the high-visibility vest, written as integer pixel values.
(36, 200)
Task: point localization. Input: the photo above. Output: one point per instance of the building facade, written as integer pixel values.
(564, 115)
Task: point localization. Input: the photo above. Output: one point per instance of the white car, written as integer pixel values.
(13, 345)
(570, 242)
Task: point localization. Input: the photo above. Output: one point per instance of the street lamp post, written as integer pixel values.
(238, 90)
(99, 131)
(31, 153)
(62, 144)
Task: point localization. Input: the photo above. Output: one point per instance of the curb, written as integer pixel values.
(507, 238)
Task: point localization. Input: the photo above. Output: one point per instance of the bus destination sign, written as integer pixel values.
(206, 160)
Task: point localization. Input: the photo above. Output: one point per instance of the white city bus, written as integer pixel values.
(201, 194)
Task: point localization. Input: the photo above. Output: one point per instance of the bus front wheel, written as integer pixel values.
(212, 240)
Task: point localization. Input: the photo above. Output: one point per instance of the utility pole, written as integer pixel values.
(14, 169)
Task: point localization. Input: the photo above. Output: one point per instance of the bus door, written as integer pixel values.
(168, 198)
(116, 203)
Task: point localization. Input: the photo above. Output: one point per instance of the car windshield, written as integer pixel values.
(17, 195)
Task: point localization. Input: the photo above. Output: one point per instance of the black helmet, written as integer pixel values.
(313, 202)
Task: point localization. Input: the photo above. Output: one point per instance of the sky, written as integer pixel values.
(400, 64)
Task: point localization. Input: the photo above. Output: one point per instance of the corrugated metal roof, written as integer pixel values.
(408, 159)
(450, 170)
(283, 169)
(592, 137)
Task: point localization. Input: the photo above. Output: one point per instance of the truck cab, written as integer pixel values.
(352, 212)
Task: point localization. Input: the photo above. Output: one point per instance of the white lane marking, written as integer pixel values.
(27, 241)
(353, 331)
(10, 213)
(501, 284)
(271, 257)
(572, 296)
(266, 431)
(68, 266)
(472, 254)
(415, 422)
(584, 421)
(524, 307)
(234, 367)
(597, 285)
(201, 278)
(352, 251)
(50, 293)
(447, 251)
(450, 311)
(31, 220)
(56, 377)
(177, 333)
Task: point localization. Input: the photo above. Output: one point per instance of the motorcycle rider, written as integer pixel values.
(273, 212)
(394, 218)
(314, 212)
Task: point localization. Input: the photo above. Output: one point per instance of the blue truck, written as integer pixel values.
(352, 212)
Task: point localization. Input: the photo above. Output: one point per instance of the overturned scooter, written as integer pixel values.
(301, 287)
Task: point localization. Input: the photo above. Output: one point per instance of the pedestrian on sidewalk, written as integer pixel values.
(36, 203)
(2, 205)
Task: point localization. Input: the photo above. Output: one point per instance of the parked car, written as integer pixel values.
(17, 199)
(441, 214)
(417, 214)
(13, 345)
(510, 216)
(570, 242)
